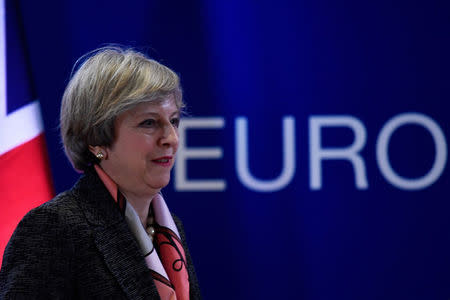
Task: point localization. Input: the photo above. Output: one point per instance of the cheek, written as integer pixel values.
(175, 146)
(133, 151)
(141, 143)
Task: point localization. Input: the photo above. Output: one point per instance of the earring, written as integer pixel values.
(100, 155)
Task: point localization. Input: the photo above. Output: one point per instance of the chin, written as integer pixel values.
(157, 182)
(159, 185)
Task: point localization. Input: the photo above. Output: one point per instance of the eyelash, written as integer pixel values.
(175, 122)
(151, 122)
(148, 123)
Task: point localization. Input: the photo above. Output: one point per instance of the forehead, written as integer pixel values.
(166, 106)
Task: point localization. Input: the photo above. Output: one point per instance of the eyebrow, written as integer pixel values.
(142, 114)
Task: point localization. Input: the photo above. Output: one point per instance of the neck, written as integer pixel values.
(140, 205)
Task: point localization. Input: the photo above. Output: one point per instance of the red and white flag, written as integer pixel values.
(25, 180)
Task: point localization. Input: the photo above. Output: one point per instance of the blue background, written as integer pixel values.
(265, 60)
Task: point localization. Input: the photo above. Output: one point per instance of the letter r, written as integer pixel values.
(350, 153)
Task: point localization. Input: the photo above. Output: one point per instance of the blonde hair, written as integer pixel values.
(109, 81)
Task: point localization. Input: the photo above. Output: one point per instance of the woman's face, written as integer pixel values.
(143, 153)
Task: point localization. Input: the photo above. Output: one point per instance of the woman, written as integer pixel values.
(111, 235)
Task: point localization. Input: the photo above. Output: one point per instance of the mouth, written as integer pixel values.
(163, 161)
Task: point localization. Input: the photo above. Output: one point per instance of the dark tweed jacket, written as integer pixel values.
(78, 246)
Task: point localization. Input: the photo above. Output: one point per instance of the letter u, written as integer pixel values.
(243, 172)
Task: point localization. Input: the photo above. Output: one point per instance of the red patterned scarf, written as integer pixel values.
(168, 263)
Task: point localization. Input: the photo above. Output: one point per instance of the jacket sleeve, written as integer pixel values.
(194, 289)
(37, 261)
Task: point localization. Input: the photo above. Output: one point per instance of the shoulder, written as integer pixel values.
(41, 227)
(65, 210)
(38, 256)
(55, 215)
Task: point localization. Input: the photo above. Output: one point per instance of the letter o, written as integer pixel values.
(383, 158)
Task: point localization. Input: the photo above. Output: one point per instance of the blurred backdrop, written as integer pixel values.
(313, 162)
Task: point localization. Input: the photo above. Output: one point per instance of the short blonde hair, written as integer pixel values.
(109, 81)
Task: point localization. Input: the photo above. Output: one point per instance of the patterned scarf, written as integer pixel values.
(168, 263)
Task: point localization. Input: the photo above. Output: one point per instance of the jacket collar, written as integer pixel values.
(113, 238)
(96, 202)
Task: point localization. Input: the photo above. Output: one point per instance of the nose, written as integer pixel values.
(169, 136)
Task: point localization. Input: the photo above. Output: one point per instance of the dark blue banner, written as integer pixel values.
(314, 158)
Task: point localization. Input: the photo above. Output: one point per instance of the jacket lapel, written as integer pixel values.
(125, 261)
(113, 238)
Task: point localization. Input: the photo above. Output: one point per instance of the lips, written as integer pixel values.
(164, 160)
(161, 160)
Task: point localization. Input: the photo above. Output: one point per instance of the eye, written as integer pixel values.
(175, 122)
(148, 123)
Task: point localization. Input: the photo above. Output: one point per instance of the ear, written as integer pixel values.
(98, 149)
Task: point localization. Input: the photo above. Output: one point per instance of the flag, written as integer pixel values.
(25, 180)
